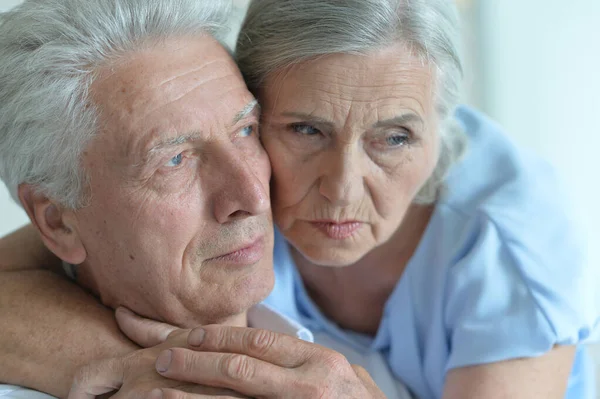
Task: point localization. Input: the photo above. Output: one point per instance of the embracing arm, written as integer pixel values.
(24, 250)
(542, 377)
(48, 325)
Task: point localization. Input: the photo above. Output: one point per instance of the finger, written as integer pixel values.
(278, 349)
(205, 390)
(167, 393)
(361, 372)
(97, 378)
(368, 382)
(241, 373)
(144, 332)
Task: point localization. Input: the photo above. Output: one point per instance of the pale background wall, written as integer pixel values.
(11, 215)
(535, 67)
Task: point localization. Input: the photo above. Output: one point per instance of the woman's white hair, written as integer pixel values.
(279, 33)
(49, 52)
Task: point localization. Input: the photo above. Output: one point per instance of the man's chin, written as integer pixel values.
(234, 302)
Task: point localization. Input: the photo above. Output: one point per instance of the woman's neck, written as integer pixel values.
(354, 296)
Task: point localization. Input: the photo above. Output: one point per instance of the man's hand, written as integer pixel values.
(256, 363)
(134, 376)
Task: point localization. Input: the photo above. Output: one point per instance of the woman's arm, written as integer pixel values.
(24, 250)
(48, 325)
(542, 377)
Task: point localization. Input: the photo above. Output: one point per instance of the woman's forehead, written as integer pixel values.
(378, 82)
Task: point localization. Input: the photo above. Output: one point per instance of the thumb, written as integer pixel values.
(142, 331)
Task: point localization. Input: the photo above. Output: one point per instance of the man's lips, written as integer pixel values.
(246, 254)
(337, 230)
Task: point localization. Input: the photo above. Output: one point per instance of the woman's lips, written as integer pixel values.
(338, 231)
(248, 255)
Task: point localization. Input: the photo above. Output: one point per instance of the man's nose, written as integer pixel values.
(342, 180)
(241, 192)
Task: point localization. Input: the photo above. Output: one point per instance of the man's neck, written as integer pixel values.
(85, 279)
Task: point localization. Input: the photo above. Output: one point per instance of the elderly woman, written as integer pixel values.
(411, 234)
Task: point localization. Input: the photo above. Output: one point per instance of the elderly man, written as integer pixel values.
(130, 139)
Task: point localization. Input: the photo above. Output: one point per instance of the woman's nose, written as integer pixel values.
(342, 180)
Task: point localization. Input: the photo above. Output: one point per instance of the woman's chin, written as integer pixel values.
(330, 257)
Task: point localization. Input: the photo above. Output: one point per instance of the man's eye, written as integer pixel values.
(306, 130)
(175, 161)
(247, 131)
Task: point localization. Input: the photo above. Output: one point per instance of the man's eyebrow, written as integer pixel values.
(400, 120)
(172, 142)
(248, 109)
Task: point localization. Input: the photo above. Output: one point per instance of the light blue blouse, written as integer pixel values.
(499, 274)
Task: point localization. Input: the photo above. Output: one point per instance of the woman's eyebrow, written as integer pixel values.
(308, 117)
(409, 118)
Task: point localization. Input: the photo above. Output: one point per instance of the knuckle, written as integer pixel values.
(260, 341)
(311, 389)
(237, 367)
(359, 370)
(83, 375)
(216, 337)
(335, 362)
(187, 362)
(321, 393)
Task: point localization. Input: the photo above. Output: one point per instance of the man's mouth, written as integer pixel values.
(244, 255)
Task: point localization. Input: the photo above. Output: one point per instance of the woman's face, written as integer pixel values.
(352, 139)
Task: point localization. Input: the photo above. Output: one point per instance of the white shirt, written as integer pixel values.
(263, 316)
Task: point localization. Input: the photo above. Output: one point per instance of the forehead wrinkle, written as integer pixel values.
(181, 75)
(186, 93)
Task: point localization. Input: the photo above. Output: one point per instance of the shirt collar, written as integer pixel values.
(265, 317)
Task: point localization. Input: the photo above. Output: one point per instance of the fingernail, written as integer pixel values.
(196, 336)
(156, 394)
(164, 361)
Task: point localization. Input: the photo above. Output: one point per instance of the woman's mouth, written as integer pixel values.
(337, 231)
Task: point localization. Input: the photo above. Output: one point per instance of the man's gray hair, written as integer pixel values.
(49, 53)
(279, 33)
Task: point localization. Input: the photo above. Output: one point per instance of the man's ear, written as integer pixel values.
(56, 225)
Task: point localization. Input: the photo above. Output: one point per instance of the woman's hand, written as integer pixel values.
(261, 363)
(134, 376)
(256, 363)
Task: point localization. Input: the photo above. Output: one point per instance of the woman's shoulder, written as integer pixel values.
(511, 186)
(513, 260)
(509, 202)
(497, 176)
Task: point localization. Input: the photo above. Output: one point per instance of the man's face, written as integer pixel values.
(179, 226)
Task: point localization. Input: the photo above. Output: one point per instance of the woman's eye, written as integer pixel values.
(247, 131)
(306, 130)
(397, 140)
(175, 161)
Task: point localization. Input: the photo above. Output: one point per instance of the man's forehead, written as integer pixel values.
(170, 61)
(170, 87)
